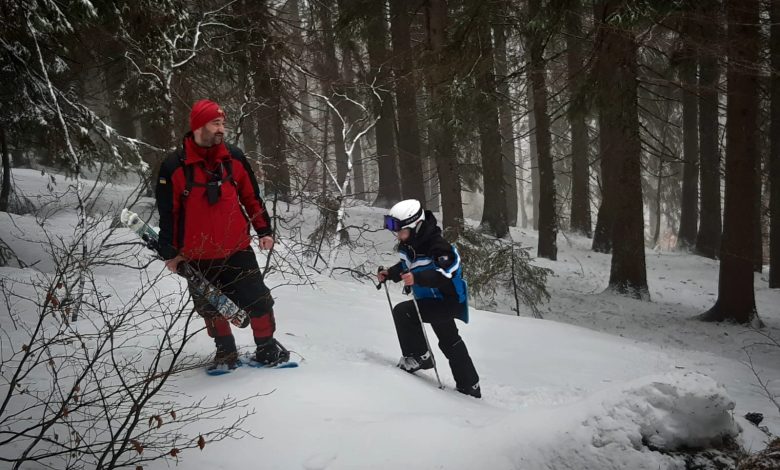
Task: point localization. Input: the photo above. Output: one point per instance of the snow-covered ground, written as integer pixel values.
(597, 384)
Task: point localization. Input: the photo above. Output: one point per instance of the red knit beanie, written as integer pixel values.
(204, 111)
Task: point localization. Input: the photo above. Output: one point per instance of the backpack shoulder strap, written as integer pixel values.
(229, 172)
(187, 169)
(236, 155)
(189, 179)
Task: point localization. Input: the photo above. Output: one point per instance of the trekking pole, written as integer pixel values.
(419, 317)
(407, 291)
(379, 286)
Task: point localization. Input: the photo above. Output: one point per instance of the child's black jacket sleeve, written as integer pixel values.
(394, 272)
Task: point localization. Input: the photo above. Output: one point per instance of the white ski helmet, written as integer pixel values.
(405, 214)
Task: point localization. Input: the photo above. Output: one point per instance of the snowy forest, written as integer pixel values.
(608, 171)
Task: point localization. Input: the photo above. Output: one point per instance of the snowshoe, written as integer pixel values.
(271, 354)
(224, 363)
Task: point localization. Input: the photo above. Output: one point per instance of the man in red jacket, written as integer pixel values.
(208, 197)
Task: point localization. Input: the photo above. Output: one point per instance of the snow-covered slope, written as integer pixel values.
(555, 396)
(591, 386)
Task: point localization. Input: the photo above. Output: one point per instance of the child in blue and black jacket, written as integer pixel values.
(432, 268)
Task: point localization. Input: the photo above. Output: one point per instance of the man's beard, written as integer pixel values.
(213, 139)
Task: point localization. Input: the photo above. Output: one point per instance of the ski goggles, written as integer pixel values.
(393, 224)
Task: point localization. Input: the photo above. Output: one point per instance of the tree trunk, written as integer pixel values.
(439, 78)
(429, 168)
(736, 297)
(331, 84)
(505, 119)
(521, 185)
(657, 231)
(708, 237)
(548, 223)
(602, 236)
(353, 116)
(5, 189)
(247, 124)
(774, 155)
(158, 129)
(494, 218)
(409, 154)
(270, 117)
(686, 238)
(116, 77)
(376, 39)
(758, 234)
(616, 66)
(309, 163)
(431, 178)
(270, 129)
(580, 191)
(533, 155)
(181, 88)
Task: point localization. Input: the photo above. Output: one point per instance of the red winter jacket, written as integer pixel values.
(190, 225)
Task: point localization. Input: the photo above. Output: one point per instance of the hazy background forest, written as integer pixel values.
(566, 146)
(639, 123)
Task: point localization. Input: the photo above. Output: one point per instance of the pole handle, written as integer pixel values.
(407, 289)
(379, 285)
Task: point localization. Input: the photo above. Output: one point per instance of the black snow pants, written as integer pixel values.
(441, 315)
(240, 279)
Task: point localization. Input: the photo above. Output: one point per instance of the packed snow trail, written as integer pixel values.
(554, 396)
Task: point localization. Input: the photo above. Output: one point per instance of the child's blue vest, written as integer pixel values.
(454, 272)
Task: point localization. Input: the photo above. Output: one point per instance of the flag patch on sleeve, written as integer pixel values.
(163, 181)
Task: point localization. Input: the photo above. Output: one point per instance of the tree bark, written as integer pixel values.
(659, 184)
(686, 238)
(533, 155)
(303, 99)
(5, 189)
(577, 111)
(431, 177)
(245, 90)
(736, 297)
(548, 223)
(616, 66)
(494, 217)
(708, 237)
(157, 128)
(409, 153)
(116, 77)
(508, 157)
(602, 235)
(521, 201)
(331, 84)
(270, 117)
(758, 234)
(439, 78)
(389, 191)
(247, 124)
(353, 115)
(774, 155)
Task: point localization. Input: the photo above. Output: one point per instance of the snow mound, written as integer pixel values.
(640, 425)
(672, 412)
